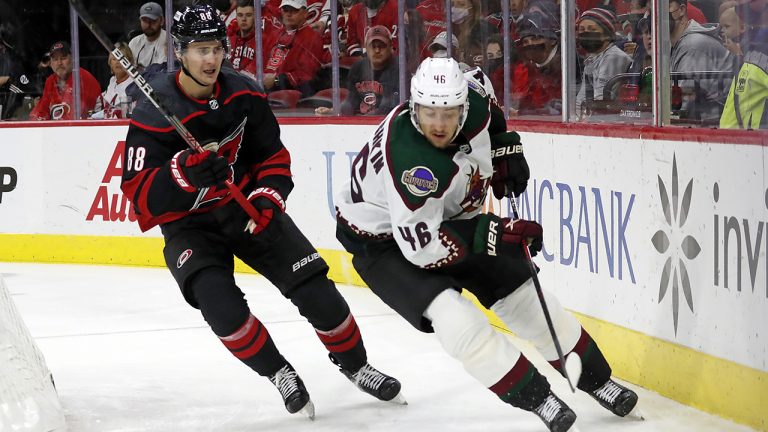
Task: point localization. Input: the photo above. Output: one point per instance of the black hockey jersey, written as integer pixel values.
(236, 122)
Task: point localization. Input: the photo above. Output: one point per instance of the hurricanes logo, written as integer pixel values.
(58, 111)
(183, 258)
(213, 103)
(419, 180)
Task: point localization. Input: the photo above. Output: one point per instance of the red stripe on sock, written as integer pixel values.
(255, 347)
(341, 333)
(581, 347)
(346, 346)
(243, 335)
(512, 377)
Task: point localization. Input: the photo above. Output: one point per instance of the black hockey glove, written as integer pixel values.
(192, 170)
(507, 237)
(510, 169)
(268, 202)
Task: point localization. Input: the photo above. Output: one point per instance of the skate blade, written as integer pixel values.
(399, 399)
(636, 413)
(308, 410)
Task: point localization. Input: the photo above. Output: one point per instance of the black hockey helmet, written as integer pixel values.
(198, 23)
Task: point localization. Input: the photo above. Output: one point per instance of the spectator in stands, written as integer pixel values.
(747, 102)
(642, 62)
(242, 43)
(114, 103)
(294, 58)
(470, 27)
(697, 49)
(12, 79)
(494, 55)
(373, 80)
(366, 14)
(57, 102)
(516, 8)
(431, 14)
(150, 46)
(536, 82)
(439, 46)
(596, 30)
(731, 28)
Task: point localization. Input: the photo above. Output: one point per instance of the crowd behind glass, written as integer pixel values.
(575, 61)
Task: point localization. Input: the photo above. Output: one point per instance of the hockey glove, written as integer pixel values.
(192, 170)
(507, 236)
(510, 169)
(268, 202)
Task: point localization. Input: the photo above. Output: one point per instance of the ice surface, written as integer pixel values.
(128, 354)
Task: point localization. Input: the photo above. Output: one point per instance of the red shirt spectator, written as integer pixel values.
(242, 39)
(432, 13)
(57, 102)
(294, 58)
(359, 22)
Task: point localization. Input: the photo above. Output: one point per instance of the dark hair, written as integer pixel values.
(244, 3)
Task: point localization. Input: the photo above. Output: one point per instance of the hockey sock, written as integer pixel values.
(253, 345)
(523, 386)
(595, 370)
(320, 302)
(224, 307)
(345, 344)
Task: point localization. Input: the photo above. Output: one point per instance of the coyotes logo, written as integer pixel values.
(477, 189)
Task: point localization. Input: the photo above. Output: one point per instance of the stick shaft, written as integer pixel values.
(540, 293)
(149, 92)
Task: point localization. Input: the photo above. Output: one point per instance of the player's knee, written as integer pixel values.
(220, 301)
(460, 327)
(522, 312)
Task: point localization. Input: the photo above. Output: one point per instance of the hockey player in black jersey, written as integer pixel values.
(411, 216)
(182, 191)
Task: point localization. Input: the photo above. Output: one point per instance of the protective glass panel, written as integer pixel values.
(613, 75)
(25, 62)
(745, 32)
(701, 67)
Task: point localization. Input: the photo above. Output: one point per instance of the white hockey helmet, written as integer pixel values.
(439, 83)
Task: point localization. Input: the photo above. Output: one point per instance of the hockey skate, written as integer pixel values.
(295, 395)
(373, 382)
(555, 414)
(615, 398)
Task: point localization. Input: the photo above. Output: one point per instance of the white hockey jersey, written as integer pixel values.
(404, 188)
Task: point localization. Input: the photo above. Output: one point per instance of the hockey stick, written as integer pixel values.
(148, 91)
(571, 365)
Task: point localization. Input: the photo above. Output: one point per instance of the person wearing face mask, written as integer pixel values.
(366, 14)
(596, 29)
(696, 48)
(537, 89)
(469, 26)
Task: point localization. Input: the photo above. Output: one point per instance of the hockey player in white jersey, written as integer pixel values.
(410, 216)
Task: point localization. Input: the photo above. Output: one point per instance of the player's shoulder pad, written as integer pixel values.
(240, 81)
(164, 90)
(419, 171)
(479, 115)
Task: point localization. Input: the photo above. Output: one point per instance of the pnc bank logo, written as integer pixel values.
(673, 242)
